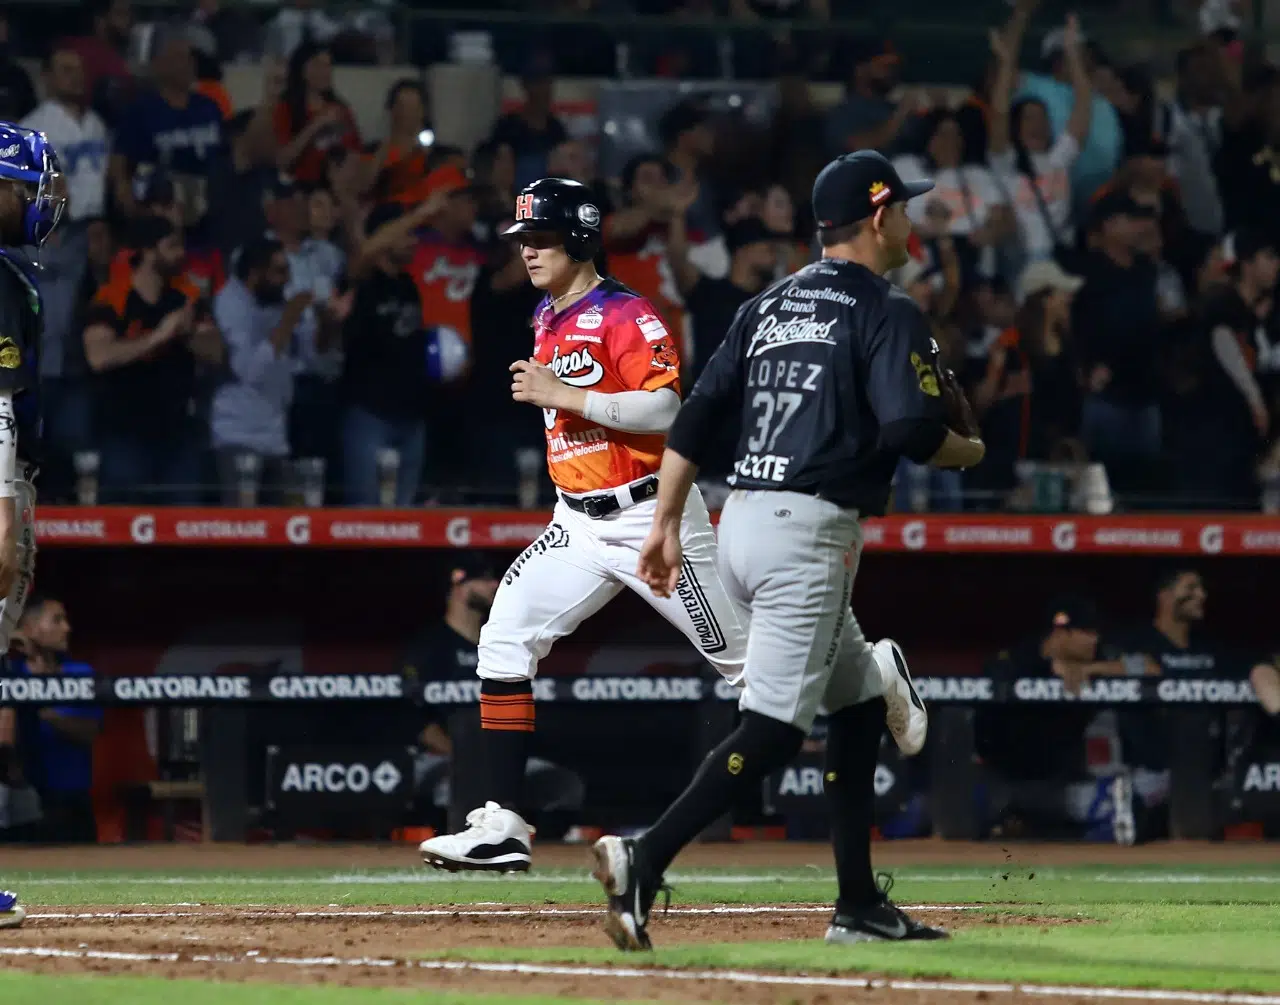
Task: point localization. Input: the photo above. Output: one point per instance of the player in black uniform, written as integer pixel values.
(32, 197)
(831, 376)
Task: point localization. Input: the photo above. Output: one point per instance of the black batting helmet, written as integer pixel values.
(563, 207)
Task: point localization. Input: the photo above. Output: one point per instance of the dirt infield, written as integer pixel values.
(394, 946)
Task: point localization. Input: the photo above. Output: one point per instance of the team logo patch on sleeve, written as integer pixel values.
(925, 375)
(664, 357)
(10, 354)
(651, 327)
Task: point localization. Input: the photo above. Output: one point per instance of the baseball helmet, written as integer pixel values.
(563, 207)
(27, 158)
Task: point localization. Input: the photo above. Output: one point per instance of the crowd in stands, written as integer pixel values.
(246, 304)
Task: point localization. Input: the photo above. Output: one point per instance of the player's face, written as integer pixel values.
(11, 207)
(545, 259)
(480, 594)
(1264, 268)
(1188, 597)
(1033, 127)
(66, 76)
(170, 255)
(893, 227)
(50, 628)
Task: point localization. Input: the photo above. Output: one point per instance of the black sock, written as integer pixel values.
(853, 747)
(758, 747)
(506, 722)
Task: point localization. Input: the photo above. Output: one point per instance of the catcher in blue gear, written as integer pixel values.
(32, 198)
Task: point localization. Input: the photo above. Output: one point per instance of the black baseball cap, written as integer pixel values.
(1078, 613)
(749, 231)
(853, 187)
(469, 565)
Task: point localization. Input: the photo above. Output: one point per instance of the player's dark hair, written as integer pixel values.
(829, 237)
(633, 166)
(1170, 574)
(405, 84)
(256, 255)
(35, 604)
(295, 85)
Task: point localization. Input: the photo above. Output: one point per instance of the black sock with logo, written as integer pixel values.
(757, 748)
(853, 747)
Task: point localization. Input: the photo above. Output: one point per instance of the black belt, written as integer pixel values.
(602, 504)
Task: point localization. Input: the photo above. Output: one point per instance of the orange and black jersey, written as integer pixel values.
(153, 393)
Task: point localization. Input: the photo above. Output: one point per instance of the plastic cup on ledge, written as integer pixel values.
(248, 479)
(388, 462)
(87, 463)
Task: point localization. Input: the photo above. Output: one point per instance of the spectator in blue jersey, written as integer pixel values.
(60, 764)
(172, 128)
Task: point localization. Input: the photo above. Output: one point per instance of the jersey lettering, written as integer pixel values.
(583, 456)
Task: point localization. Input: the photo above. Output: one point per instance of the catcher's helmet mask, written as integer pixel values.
(563, 207)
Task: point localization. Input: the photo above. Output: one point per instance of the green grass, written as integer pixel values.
(1193, 928)
(1205, 948)
(420, 886)
(18, 987)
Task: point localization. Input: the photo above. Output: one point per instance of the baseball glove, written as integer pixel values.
(959, 413)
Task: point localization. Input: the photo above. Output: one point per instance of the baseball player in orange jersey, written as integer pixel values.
(606, 374)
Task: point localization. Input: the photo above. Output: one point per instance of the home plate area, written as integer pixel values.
(398, 947)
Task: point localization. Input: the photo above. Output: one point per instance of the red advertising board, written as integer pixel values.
(1124, 534)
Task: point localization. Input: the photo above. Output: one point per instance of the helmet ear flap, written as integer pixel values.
(581, 244)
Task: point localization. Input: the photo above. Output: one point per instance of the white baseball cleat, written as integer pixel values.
(905, 714)
(496, 840)
(11, 912)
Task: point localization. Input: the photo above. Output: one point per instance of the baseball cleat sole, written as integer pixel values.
(610, 869)
(506, 863)
(621, 928)
(905, 713)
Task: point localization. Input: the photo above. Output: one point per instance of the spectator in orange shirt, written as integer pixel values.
(143, 338)
(204, 270)
(310, 119)
(399, 168)
(636, 236)
(448, 259)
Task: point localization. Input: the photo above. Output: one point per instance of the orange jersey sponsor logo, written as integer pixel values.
(610, 341)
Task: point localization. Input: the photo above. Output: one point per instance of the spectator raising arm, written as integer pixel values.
(1081, 86)
(1005, 46)
(390, 234)
(686, 274)
(105, 350)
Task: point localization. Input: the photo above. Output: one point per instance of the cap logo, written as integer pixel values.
(880, 193)
(588, 215)
(524, 207)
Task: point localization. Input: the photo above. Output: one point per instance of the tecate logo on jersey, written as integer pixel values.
(774, 334)
(578, 369)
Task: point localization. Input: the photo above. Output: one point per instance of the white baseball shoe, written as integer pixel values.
(496, 840)
(11, 912)
(905, 714)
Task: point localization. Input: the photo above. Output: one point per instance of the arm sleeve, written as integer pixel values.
(645, 353)
(8, 446)
(1231, 359)
(633, 411)
(716, 399)
(250, 355)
